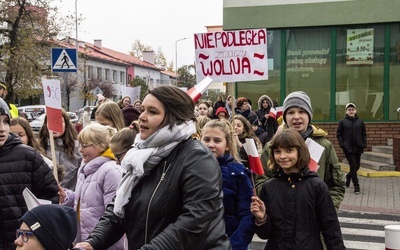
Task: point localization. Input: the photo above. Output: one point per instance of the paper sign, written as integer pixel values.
(52, 99)
(31, 200)
(316, 151)
(230, 56)
(132, 92)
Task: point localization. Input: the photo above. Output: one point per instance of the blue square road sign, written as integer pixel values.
(63, 60)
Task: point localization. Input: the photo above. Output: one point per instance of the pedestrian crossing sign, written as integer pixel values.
(63, 60)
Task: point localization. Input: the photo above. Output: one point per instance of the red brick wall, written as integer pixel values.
(396, 151)
(377, 135)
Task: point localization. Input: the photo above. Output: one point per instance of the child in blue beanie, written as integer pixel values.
(47, 227)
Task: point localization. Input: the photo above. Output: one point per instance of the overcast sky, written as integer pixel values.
(155, 23)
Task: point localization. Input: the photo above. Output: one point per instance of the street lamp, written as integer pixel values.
(76, 28)
(176, 57)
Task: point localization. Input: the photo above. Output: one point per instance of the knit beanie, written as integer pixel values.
(297, 99)
(253, 119)
(3, 86)
(55, 226)
(221, 109)
(4, 110)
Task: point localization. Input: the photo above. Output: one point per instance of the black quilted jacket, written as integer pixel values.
(20, 166)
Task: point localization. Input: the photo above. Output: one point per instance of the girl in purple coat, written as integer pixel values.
(98, 179)
(218, 136)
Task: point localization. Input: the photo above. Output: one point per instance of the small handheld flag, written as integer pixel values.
(253, 157)
(198, 90)
(273, 112)
(316, 151)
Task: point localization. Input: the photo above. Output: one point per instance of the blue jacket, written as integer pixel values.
(237, 190)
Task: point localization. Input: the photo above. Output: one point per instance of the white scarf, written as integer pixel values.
(148, 152)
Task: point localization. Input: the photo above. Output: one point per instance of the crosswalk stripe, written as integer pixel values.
(368, 221)
(358, 233)
(363, 245)
(363, 232)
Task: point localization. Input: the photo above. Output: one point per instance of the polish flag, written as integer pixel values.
(316, 151)
(272, 113)
(197, 91)
(253, 157)
(279, 111)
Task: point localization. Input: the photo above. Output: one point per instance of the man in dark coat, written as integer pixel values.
(352, 137)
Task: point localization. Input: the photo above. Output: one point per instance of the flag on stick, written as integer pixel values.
(253, 157)
(273, 113)
(279, 111)
(198, 90)
(316, 151)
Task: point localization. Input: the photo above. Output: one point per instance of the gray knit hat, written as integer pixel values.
(297, 99)
(4, 109)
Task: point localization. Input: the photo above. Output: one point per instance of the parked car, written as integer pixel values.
(72, 117)
(79, 112)
(38, 122)
(31, 112)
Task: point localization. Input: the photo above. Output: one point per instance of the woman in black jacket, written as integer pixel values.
(268, 123)
(21, 167)
(171, 194)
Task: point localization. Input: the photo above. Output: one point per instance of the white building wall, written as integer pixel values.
(76, 102)
(151, 76)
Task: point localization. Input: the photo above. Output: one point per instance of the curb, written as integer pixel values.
(370, 173)
(370, 210)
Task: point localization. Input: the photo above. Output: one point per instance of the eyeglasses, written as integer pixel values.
(85, 145)
(25, 235)
(119, 156)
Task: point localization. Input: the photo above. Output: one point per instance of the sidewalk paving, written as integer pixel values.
(380, 192)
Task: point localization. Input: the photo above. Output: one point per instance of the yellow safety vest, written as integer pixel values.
(13, 111)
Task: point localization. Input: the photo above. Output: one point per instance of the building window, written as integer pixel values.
(129, 77)
(122, 77)
(90, 72)
(271, 87)
(308, 66)
(114, 76)
(394, 78)
(359, 70)
(107, 75)
(99, 73)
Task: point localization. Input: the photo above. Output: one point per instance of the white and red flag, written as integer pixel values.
(273, 112)
(253, 156)
(198, 90)
(279, 111)
(276, 112)
(316, 151)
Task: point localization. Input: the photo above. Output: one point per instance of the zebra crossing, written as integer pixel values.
(360, 230)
